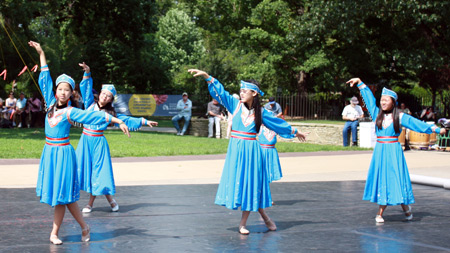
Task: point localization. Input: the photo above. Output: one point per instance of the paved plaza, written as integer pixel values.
(166, 205)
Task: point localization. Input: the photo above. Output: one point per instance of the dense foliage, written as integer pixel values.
(289, 46)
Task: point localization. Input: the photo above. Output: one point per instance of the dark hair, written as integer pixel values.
(395, 117)
(257, 106)
(51, 109)
(108, 108)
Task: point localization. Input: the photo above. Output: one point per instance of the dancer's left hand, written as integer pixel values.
(301, 136)
(197, 72)
(124, 129)
(152, 123)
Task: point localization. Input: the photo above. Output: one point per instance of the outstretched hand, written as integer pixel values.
(85, 67)
(124, 129)
(152, 123)
(354, 81)
(36, 45)
(197, 72)
(443, 131)
(301, 136)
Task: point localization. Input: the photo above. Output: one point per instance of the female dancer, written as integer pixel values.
(388, 180)
(267, 140)
(94, 160)
(57, 183)
(244, 182)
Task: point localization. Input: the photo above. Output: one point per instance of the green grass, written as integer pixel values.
(334, 122)
(28, 143)
(162, 121)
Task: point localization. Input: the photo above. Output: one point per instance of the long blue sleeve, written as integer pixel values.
(86, 90)
(218, 92)
(279, 126)
(416, 125)
(46, 86)
(88, 117)
(132, 123)
(370, 101)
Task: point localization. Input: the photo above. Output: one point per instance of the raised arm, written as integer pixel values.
(367, 96)
(86, 86)
(45, 80)
(41, 53)
(217, 90)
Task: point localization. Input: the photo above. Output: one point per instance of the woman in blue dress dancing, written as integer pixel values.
(388, 181)
(95, 170)
(244, 182)
(57, 183)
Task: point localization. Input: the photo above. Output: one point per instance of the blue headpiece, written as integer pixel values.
(390, 93)
(251, 86)
(65, 79)
(110, 88)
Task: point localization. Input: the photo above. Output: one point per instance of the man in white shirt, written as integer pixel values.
(20, 110)
(351, 114)
(185, 107)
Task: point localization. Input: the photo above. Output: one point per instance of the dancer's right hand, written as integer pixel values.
(197, 72)
(85, 67)
(354, 81)
(36, 45)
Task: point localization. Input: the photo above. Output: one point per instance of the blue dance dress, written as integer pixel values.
(388, 181)
(95, 172)
(57, 182)
(244, 181)
(267, 140)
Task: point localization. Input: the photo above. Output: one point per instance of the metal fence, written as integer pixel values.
(312, 106)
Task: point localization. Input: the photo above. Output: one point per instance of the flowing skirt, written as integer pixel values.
(244, 181)
(388, 181)
(95, 172)
(271, 162)
(57, 182)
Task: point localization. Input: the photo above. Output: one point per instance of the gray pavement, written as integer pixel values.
(166, 205)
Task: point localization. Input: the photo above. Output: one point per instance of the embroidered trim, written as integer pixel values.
(383, 139)
(57, 141)
(243, 135)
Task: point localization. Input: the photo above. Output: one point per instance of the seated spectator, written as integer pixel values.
(185, 107)
(428, 114)
(215, 114)
(351, 114)
(34, 108)
(404, 109)
(11, 108)
(21, 106)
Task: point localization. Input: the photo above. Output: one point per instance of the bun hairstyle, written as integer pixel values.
(256, 105)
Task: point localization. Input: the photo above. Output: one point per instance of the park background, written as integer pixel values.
(295, 49)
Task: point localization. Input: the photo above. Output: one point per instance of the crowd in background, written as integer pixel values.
(23, 112)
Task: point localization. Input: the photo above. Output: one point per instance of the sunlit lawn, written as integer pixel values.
(28, 143)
